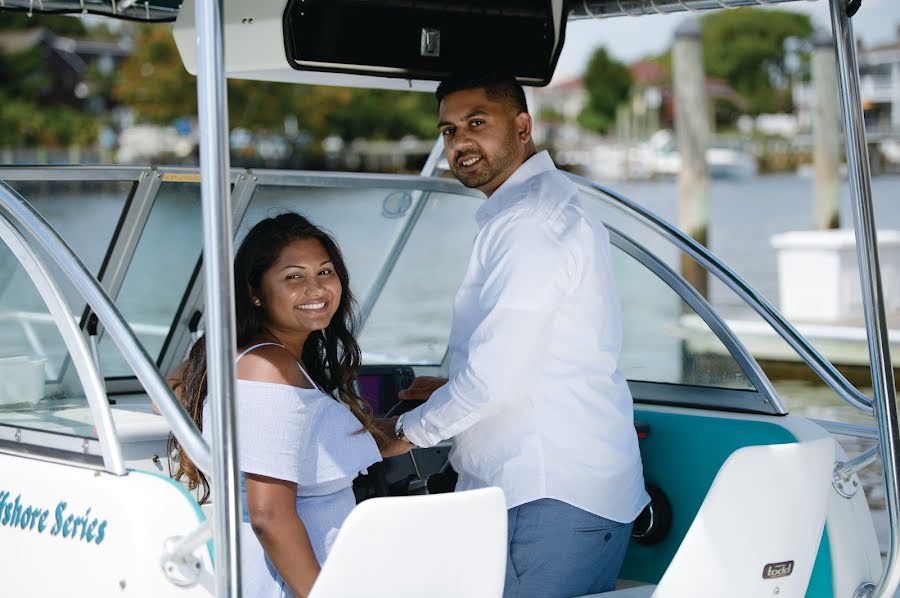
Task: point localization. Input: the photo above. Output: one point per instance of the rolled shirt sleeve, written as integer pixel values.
(527, 271)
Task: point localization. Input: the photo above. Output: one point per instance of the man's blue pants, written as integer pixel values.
(559, 551)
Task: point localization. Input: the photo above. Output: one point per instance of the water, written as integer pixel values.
(745, 214)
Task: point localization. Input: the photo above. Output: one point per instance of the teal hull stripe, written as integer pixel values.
(201, 517)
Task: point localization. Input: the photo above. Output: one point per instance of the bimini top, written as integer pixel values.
(393, 44)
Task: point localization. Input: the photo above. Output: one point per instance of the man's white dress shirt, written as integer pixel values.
(535, 402)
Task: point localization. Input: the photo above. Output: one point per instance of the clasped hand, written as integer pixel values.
(421, 388)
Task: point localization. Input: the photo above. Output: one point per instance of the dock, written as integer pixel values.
(843, 343)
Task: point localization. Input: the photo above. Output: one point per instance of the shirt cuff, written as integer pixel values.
(414, 428)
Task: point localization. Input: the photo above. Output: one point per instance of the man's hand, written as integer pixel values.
(421, 388)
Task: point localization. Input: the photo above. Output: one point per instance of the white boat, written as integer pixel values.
(723, 162)
(749, 500)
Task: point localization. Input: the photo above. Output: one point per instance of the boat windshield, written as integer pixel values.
(406, 241)
(40, 391)
(406, 250)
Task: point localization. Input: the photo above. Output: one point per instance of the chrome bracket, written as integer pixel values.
(183, 572)
(865, 590)
(178, 562)
(845, 485)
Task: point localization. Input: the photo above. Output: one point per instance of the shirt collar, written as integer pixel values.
(505, 195)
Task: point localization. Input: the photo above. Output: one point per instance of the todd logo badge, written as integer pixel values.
(773, 570)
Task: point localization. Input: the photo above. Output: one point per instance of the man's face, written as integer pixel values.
(485, 140)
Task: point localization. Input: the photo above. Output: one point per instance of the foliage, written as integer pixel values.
(725, 113)
(25, 78)
(24, 123)
(549, 114)
(746, 48)
(154, 83)
(382, 114)
(608, 84)
(22, 75)
(64, 26)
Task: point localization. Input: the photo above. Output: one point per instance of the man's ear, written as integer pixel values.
(523, 127)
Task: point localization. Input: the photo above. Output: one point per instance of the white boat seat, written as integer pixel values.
(765, 508)
(440, 546)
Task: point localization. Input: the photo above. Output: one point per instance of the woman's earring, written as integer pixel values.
(256, 302)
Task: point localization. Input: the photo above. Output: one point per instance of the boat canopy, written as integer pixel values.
(167, 10)
(415, 45)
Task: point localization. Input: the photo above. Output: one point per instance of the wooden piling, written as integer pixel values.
(692, 133)
(826, 133)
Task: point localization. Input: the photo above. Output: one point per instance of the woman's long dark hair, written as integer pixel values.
(331, 356)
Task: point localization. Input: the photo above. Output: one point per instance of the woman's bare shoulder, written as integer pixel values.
(271, 363)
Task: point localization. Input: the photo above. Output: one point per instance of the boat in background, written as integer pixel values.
(723, 162)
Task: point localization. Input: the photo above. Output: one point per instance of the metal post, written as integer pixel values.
(692, 131)
(212, 108)
(895, 96)
(870, 281)
(826, 133)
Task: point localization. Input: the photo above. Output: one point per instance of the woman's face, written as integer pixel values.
(300, 292)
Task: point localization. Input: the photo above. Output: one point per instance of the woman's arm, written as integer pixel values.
(390, 445)
(272, 506)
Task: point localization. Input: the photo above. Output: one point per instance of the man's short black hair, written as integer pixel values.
(497, 86)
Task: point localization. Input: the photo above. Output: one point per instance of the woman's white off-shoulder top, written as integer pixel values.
(305, 436)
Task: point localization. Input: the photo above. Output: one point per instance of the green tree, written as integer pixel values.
(383, 114)
(25, 123)
(154, 83)
(608, 84)
(24, 77)
(23, 74)
(61, 25)
(746, 48)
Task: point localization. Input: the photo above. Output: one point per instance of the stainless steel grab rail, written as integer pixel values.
(26, 217)
(821, 366)
(885, 403)
(85, 363)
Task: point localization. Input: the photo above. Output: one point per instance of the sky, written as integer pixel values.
(630, 38)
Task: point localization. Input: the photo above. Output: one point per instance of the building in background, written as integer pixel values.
(880, 84)
(74, 65)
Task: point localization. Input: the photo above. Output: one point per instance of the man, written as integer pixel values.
(535, 402)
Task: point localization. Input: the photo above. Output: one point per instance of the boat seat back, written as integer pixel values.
(758, 530)
(441, 546)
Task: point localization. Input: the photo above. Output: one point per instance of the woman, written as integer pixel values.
(299, 449)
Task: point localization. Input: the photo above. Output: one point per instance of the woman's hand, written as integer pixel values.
(421, 388)
(391, 446)
(272, 506)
